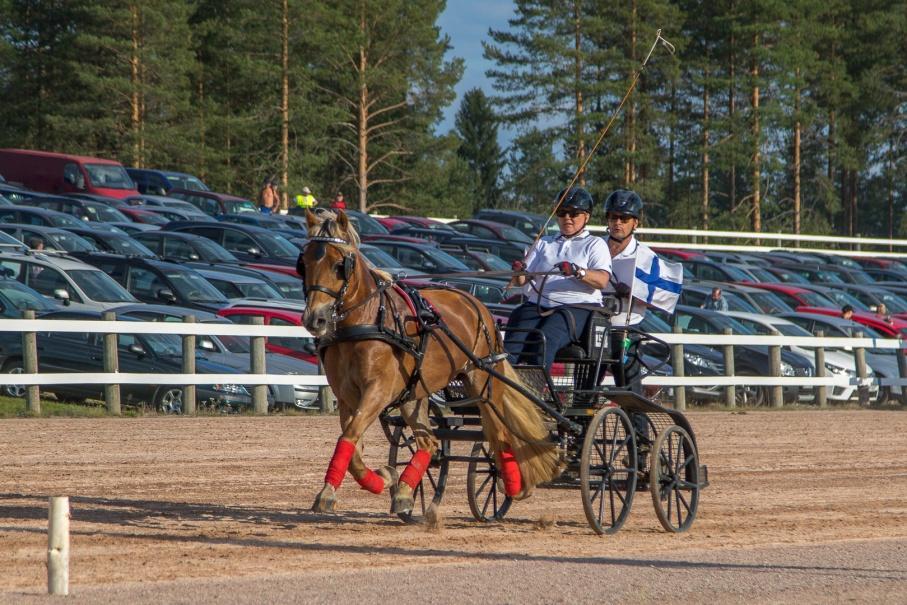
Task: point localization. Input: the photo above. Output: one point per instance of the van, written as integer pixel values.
(63, 173)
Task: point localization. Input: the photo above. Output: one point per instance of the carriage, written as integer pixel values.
(613, 442)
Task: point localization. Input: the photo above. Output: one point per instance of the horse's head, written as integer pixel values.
(327, 266)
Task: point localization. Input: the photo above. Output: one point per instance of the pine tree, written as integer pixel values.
(478, 131)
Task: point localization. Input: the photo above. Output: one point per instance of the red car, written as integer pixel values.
(796, 296)
(894, 328)
(421, 221)
(679, 254)
(391, 223)
(299, 347)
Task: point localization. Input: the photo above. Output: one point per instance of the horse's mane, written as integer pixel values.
(326, 226)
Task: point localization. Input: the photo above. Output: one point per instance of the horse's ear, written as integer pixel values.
(343, 221)
(310, 219)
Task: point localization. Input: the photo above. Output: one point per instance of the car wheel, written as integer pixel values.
(13, 366)
(169, 400)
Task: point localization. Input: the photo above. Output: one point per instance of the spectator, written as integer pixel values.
(846, 312)
(882, 310)
(267, 197)
(36, 243)
(306, 201)
(715, 302)
(339, 202)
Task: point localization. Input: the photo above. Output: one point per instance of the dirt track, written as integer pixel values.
(223, 501)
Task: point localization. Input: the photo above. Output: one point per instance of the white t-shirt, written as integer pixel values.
(583, 249)
(639, 307)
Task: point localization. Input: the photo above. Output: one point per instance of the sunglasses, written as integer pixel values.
(570, 213)
(617, 217)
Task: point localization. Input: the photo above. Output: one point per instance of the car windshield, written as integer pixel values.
(236, 344)
(494, 262)
(842, 298)
(829, 277)
(769, 302)
(110, 176)
(380, 258)
(515, 235)
(99, 286)
(735, 302)
(258, 290)
(291, 289)
(19, 297)
(814, 299)
(654, 324)
(366, 225)
(791, 330)
(444, 259)
(277, 245)
(895, 303)
(104, 214)
(194, 287)
(71, 242)
(130, 247)
(58, 219)
(790, 277)
(735, 274)
(187, 182)
(213, 252)
(239, 206)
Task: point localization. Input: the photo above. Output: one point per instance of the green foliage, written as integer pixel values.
(478, 131)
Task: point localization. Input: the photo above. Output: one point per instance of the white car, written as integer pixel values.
(837, 363)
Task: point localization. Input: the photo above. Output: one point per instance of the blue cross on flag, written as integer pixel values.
(657, 282)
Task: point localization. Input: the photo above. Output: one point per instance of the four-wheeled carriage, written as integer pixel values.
(613, 442)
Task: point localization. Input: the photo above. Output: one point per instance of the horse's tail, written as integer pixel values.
(516, 427)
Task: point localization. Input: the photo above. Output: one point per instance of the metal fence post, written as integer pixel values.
(774, 365)
(30, 366)
(902, 373)
(730, 392)
(111, 366)
(821, 390)
(189, 395)
(260, 391)
(859, 355)
(680, 393)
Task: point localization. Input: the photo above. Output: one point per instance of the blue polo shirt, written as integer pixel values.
(583, 249)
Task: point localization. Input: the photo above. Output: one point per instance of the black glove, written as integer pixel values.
(567, 268)
(518, 265)
(622, 290)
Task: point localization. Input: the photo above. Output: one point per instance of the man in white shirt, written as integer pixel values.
(584, 266)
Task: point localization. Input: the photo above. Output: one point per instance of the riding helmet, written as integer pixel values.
(576, 197)
(624, 202)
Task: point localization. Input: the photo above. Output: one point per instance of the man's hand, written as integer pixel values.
(622, 290)
(567, 268)
(518, 265)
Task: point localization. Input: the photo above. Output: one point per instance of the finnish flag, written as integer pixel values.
(657, 282)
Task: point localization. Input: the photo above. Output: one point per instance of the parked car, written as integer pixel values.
(213, 203)
(235, 352)
(715, 271)
(162, 181)
(83, 352)
(258, 219)
(300, 347)
(234, 286)
(490, 291)
(8, 243)
(893, 328)
(695, 295)
(478, 260)
(63, 173)
(139, 215)
(82, 209)
(160, 282)
(27, 215)
(422, 222)
(438, 236)
(131, 228)
(527, 222)
(795, 296)
(16, 297)
(492, 230)
(508, 251)
(248, 243)
(423, 258)
(178, 214)
(54, 239)
(112, 242)
(152, 202)
(66, 279)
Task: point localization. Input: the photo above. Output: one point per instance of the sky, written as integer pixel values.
(467, 23)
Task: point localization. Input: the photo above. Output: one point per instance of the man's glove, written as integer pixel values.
(518, 265)
(622, 290)
(567, 268)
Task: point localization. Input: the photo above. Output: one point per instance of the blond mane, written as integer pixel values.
(326, 224)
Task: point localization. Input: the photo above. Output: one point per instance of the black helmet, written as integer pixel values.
(576, 197)
(624, 202)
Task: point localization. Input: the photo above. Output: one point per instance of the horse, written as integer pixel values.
(378, 351)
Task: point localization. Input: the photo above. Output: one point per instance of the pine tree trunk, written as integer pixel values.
(578, 79)
(630, 167)
(203, 155)
(831, 147)
(363, 118)
(705, 152)
(852, 203)
(890, 186)
(732, 116)
(134, 101)
(672, 142)
(797, 159)
(757, 153)
(285, 107)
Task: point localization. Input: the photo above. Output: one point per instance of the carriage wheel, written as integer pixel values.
(674, 479)
(431, 489)
(608, 470)
(484, 492)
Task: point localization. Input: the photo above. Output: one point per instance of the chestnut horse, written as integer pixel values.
(346, 304)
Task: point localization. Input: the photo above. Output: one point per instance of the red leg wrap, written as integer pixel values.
(340, 461)
(372, 482)
(412, 475)
(510, 471)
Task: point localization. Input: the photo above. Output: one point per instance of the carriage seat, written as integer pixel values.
(595, 336)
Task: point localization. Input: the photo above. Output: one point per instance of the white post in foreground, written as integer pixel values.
(58, 546)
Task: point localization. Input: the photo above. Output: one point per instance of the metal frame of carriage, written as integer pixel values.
(613, 441)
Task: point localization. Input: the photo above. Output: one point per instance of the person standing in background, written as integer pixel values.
(267, 197)
(339, 203)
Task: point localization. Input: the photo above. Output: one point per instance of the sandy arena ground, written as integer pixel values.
(804, 506)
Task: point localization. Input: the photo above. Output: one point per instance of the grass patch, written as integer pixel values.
(11, 407)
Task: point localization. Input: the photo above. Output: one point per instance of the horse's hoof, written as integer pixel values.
(324, 503)
(402, 504)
